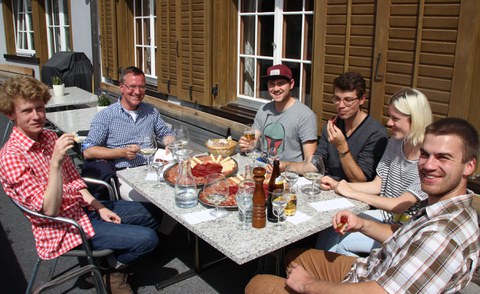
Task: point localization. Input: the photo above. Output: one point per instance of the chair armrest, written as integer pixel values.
(111, 192)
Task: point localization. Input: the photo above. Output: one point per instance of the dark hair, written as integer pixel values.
(458, 127)
(350, 81)
(130, 70)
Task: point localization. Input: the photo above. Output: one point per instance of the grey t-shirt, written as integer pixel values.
(286, 131)
(367, 144)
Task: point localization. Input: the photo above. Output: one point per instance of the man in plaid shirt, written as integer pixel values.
(36, 171)
(435, 252)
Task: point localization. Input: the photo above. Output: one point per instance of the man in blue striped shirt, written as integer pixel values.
(115, 131)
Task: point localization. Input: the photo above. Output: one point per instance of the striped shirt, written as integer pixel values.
(399, 175)
(436, 252)
(114, 127)
(24, 171)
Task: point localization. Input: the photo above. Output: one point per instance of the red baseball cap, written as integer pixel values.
(278, 71)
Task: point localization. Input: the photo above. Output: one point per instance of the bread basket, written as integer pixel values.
(224, 147)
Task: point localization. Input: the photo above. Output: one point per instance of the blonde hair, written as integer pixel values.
(21, 87)
(415, 104)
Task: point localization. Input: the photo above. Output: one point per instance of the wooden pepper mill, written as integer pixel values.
(259, 219)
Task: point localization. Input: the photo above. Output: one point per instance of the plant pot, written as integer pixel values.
(59, 90)
(99, 108)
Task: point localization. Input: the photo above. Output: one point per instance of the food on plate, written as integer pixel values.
(230, 202)
(203, 166)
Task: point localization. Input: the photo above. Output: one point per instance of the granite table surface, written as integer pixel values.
(240, 246)
(73, 96)
(74, 120)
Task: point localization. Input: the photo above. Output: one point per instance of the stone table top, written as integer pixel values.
(73, 96)
(72, 120)
(239, 245)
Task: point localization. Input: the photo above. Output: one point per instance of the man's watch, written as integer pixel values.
(343, 154)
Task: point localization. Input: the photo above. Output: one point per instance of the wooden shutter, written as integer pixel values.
(184, 50)
(346, 40)
(419, 50)
(108, 38)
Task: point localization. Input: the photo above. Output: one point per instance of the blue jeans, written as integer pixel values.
(351, 244)
(134, 238)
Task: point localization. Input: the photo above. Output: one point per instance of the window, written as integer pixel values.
(23, 27)
(144, 27)
(273, 32)
(58, 26)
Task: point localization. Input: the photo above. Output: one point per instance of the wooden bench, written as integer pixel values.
(8, 71)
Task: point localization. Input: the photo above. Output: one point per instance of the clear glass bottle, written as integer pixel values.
(185, 186)
(247, 186)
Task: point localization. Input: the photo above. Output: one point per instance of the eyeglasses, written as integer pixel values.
(133, 88)
(348, 101)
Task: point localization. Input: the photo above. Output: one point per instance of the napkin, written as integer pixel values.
(151, 176)
(161, 154)
(302, 181)
(197, 217)
(298, 218)
(332, 204)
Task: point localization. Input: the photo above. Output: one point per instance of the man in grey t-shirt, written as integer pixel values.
(289, 127)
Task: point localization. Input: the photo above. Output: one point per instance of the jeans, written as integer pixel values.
(134, 238)
(350, 244)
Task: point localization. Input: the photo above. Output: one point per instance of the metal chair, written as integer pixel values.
(6, 128)
(86, 251)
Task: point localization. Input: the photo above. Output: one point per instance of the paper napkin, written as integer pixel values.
(161, 154)
(332, 204)
(194, 218)
(298, 218)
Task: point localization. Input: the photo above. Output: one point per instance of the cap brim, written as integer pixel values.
(276, 77)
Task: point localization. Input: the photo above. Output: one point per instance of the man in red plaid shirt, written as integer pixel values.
(36, 171)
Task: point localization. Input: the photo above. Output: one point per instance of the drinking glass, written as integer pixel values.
(314, 169)
(244, 203)
(216, 190)
(148, 147)
(278, 206)
(255, 150)
(158, 168)
(181, 136)
(290, 176)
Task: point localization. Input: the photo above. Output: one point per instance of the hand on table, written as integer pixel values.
(327, 183)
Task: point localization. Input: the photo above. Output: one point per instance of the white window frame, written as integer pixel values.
(23, 23)
(277, 58)
(145, 48)
(62, 27)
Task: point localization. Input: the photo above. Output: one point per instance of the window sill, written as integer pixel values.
(24, 59)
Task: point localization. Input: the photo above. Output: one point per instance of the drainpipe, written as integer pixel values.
(95, 45)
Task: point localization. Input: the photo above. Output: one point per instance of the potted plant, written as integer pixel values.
(103, 101)
(58, 86)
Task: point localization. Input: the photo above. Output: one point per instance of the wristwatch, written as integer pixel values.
(343, 154)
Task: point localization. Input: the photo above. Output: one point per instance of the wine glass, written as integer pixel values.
(290, 176)
(181, 136)
(278, 207)
(158, 168)
(148, 147)
(313, 170)
(216, 190)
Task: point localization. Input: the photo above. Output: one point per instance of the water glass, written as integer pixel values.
(244, 203)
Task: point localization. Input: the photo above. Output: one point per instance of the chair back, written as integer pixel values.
(6, 126)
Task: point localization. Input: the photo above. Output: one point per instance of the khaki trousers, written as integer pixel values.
(322, 265)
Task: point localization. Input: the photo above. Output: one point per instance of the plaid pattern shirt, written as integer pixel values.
(24, 170)
(436, 252)
(114, 128)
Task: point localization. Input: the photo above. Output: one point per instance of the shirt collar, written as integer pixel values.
(461, 201)
(25, 142)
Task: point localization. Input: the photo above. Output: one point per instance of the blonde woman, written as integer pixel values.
(395, 191)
